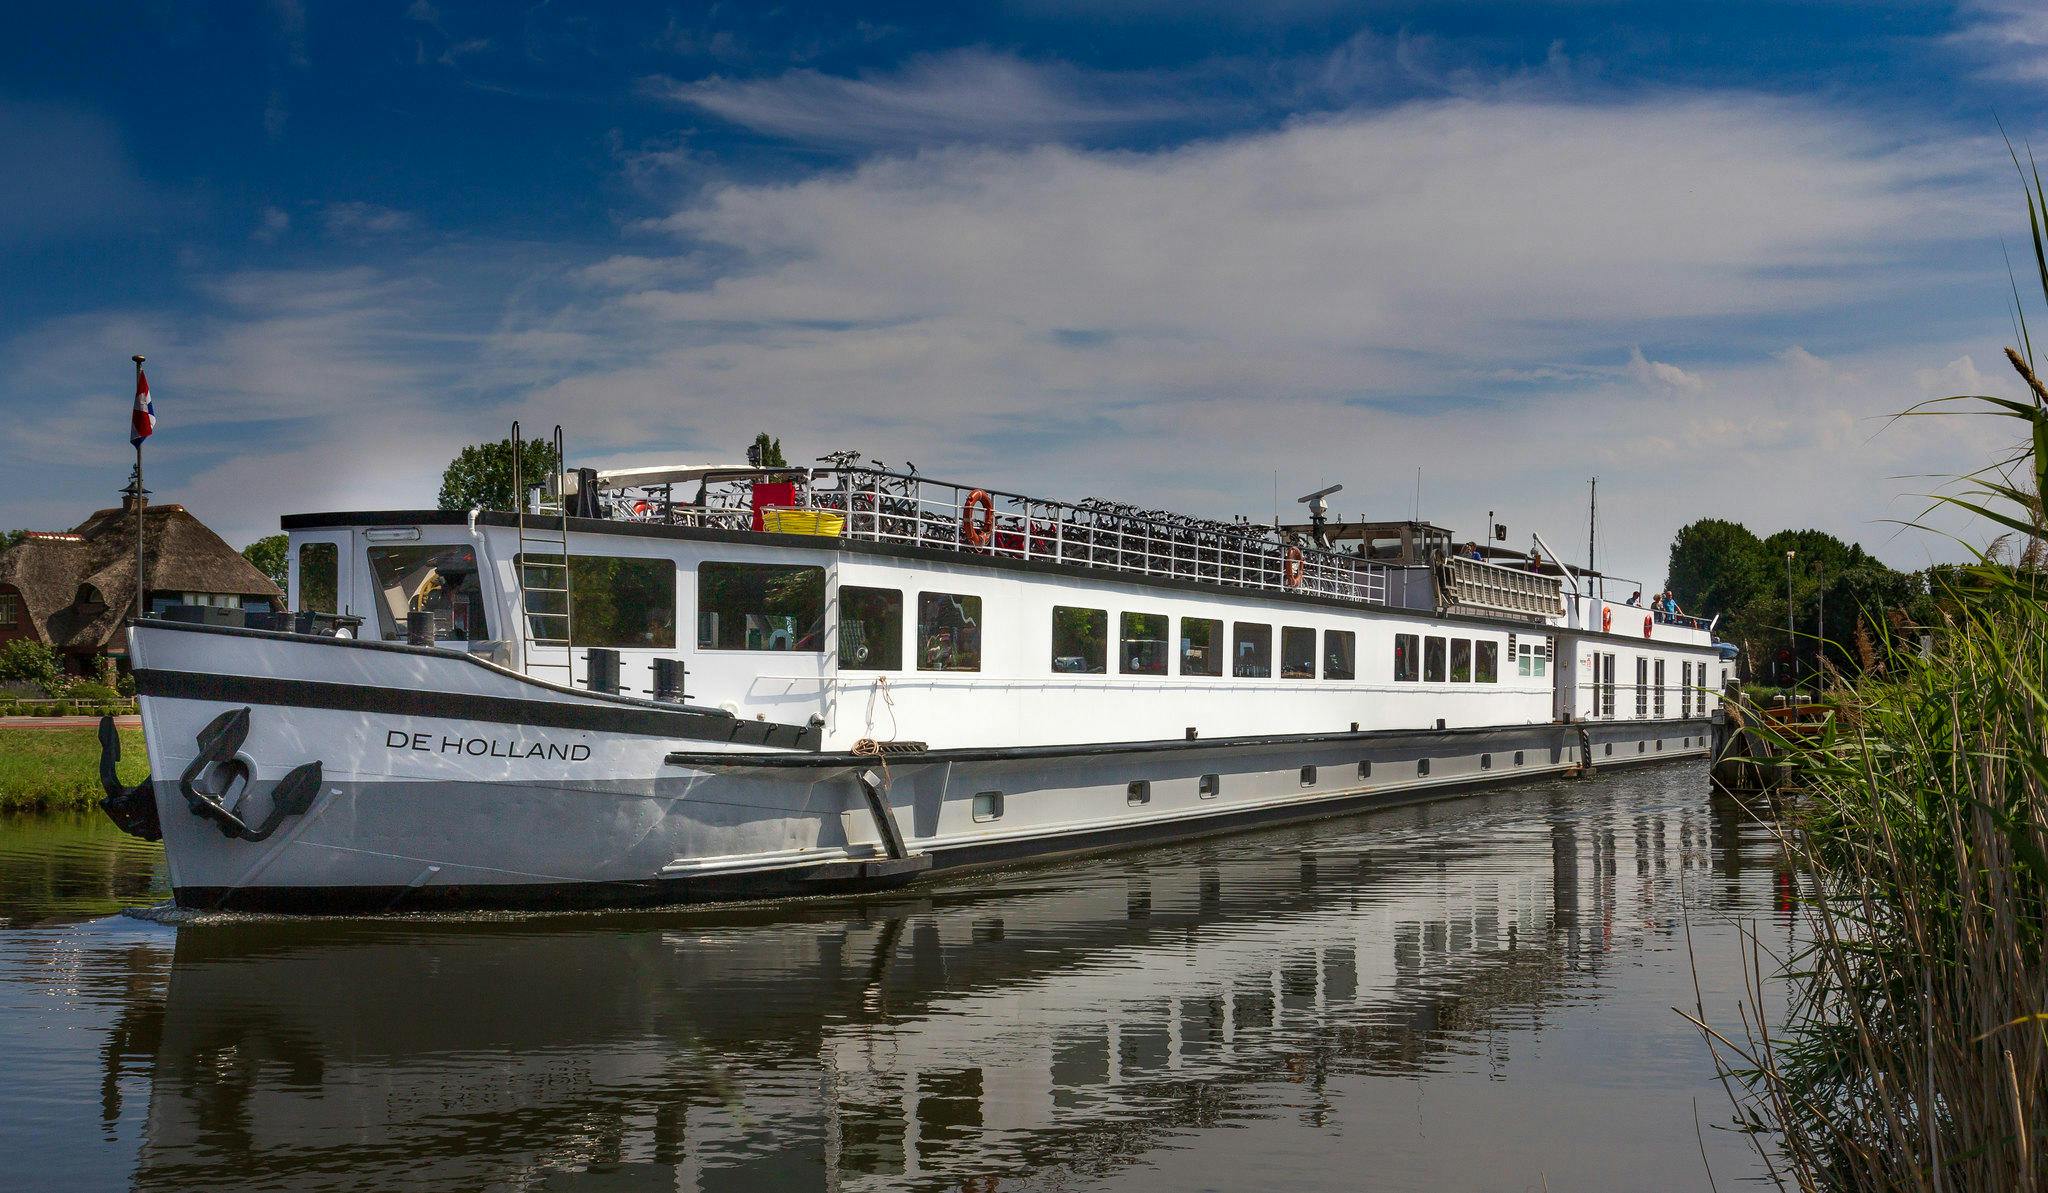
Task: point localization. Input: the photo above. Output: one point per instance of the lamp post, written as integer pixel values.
(1791, 635)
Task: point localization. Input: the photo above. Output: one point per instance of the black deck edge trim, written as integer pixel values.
(810, 542)
(1600, 730)
(472, 706)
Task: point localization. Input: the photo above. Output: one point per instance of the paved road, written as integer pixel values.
(65, 722)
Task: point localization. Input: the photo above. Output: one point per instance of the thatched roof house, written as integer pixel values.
(73, 590)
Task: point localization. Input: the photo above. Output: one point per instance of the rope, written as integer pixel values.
(868, 746)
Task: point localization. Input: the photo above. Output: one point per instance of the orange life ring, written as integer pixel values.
(1647, 623)
(1606, 619)
(642, 508)
(978, 532)
(1293, 565)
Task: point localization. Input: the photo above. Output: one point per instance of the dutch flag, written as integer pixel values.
(144, 420)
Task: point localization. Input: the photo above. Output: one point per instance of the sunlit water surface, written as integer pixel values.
(1474, 994)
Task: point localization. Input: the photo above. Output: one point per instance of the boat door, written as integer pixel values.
(320, 571)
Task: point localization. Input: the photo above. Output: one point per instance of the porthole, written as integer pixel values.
(1138, 792)
(1208, 786)
(1486, 762)
(1660, 744)
(1365, 770)
(1422, 766)
(1610, 749)
(1308, 776)
(1518, 758)
(1642, 747)
(988, 805)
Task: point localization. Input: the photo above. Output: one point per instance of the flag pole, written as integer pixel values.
(140, 593)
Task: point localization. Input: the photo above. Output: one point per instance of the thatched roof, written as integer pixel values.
(79, 587)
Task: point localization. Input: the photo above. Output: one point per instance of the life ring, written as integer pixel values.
(642, 508)
(1647, 623)
(978, 531)
(1292, 566)
(1606, 619)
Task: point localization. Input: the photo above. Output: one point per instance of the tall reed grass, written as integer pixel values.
(1914, 1051)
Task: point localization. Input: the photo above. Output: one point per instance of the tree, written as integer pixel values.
(481, 474)
(9, 538)
(1717, 566)
(267, 555)
(769, 450)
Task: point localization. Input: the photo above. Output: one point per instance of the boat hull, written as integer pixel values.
(450, 784)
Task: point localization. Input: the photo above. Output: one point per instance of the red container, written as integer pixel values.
(772, 495)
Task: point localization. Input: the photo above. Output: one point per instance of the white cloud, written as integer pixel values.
(274, 223)
(2010, 38)
(355, 220)
(1657, 373)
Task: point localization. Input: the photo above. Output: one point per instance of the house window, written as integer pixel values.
(1252, 652)
(10, 610)
(442, 581)
(1340, 654)
(1142, 647)
(1658, 694)
(1201, 646)
(1461, 660)
(1486, 661)
(1297, 653)
(319, 567)
(1407, 658)
(755, 606)
(1080, 640)
(948, 633)
(870, 629)
(1433, 659)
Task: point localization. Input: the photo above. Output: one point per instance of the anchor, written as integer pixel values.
(132, 809)
(219, 742)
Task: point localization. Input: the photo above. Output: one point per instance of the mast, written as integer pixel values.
(1593, 527)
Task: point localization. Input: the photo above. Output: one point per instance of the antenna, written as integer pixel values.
(1319, 511)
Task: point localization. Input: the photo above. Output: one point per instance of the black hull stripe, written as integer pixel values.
(1548, 731)
(461, 706)
(832, 879)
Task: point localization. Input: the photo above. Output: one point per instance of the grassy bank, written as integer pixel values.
(45, 769)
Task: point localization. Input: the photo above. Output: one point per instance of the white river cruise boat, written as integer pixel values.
(690, 683)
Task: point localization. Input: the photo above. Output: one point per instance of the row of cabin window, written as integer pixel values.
(1649, 687)
(1434, 659)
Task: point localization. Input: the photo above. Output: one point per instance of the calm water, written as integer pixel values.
(1469, 995)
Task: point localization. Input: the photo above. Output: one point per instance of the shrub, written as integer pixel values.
(29, 660)
(86, 691)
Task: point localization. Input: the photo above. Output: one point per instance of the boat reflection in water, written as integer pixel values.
(1068, 1020)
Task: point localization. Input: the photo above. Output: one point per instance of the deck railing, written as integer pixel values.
(881, 506)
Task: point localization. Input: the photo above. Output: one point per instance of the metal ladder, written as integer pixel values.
(542, 566)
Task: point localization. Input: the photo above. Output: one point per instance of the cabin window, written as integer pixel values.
(988, 805)
(1080, 640)
(1201, 646)
(753, 606)
(1142, 648)
(1252, 652)
(1407, 658)
(1297, 653)
(319, 571)
(438, 580)
(949, 634)
(1340, 654)
(870, 629)
(1658, 694)
(620, 602)
(1642, 687)
(1461, 660)
(1685, 690)
(1433, 650)
(1138, 791)
(1208, 786)
(1606, 664)
(1308, 776)
(1486, 661)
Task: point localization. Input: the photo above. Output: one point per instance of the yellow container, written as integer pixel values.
(786, 521)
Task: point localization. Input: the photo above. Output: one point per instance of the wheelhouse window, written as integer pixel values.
(756, 606)
(1486, 661)
(1201, 646)
(1433, 650)
(319, 569)
(1080, 640)
(1340, 654)
(442, 581)
(1252, 651)
(1142, 645)
(1297, 653)
(1407, 658)
(1461, 660)
(948, 632)
(870, 629)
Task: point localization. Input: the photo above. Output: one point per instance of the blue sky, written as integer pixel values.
(1178, 253)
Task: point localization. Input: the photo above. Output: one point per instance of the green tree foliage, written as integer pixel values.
(26, 660)
(481, 475)
(1717, 565)
(8, 538)
(267, 555)
(770, 450)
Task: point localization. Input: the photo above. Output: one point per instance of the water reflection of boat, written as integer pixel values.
(957, 1036)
